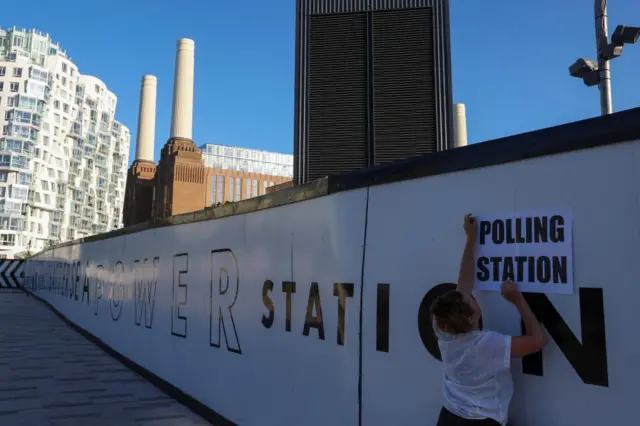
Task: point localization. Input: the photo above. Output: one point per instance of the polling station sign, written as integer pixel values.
(534, 250)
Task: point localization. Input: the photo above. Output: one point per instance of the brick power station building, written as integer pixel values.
(181, 182)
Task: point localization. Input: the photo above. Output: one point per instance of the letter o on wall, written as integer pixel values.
(425, 326)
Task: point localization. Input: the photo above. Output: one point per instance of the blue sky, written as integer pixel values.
(510, 61)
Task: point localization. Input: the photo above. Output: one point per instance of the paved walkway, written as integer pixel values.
(50, 375)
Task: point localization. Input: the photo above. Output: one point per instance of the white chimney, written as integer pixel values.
(147, 119)
(459, 125)
(182, 113)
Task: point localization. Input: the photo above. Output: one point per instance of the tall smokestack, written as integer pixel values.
(182, 113)
(459, 125)
(147, 119)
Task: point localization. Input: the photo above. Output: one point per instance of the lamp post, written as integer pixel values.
(598, 72)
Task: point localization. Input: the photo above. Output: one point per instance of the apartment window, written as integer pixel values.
(64, 67)
(7, 239)
(19, 193)
(254, 188)
(1, 86)
(64, 81)
(14, 87)
(3, 71)
(97, 88)
(56, 104)
(3, 176)
(8, 206)
(45, 185)
(65, 108)
(17, 72)
(24, 178)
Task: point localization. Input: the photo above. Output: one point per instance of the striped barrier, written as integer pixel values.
(11, 273)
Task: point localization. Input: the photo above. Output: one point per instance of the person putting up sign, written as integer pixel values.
(477, 376)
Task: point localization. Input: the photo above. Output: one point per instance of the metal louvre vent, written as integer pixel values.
(337, 109)
(405, 103)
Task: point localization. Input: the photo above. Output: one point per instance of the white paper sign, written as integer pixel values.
(534, 250)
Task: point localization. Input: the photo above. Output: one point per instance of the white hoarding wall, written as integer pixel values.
(263, 318)
(588, 374)
(254, 315)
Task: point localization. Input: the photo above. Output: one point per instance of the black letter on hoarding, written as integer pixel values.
(589, 358)
(178, 321)
(268, 303)
(64, 285)
(342, 291)
(314, 321)
(288, 287)
(85, 285)
(225, 285)
(117, 291)
(67, 282)
(99, 287)
(382, 318)
(74, 294)
(425, 324)
(145, 280)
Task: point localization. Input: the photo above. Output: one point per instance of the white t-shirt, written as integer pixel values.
(477, 374)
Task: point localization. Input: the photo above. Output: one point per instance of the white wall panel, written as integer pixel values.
(415, 240)
(279, 377)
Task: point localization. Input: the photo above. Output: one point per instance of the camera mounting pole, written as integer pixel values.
(602, 40)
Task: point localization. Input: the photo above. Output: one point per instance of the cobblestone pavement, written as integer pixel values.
(50, 375)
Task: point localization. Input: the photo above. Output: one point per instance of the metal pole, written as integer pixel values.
(602, 39)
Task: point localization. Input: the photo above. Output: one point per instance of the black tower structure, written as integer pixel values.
(372, 83)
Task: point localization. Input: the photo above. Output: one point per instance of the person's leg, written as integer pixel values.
(488, 422)
(447, 418)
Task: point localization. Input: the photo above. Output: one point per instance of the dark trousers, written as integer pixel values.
(449, 419)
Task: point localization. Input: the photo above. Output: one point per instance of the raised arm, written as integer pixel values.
(467, 268)
(534, 339)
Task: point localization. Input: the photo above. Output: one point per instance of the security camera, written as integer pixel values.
(625, 35)
(581, 67)
(610, 51)
(591, 78)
